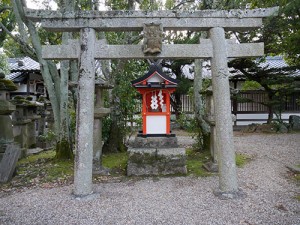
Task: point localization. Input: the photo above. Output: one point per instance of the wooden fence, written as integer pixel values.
(254, 104)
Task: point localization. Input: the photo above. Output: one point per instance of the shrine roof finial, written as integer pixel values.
(155, 69)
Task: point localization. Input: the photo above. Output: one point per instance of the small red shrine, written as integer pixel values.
(156, 88)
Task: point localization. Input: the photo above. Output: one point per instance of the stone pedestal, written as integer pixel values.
(9, 152)
(24, 125)
(156, 156)
(6, 133)
(155, 142)
(153, 161)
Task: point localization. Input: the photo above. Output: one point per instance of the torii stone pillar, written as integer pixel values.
(224, 145)
(85, 114)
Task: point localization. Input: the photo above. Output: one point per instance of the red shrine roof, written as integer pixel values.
(155, 70)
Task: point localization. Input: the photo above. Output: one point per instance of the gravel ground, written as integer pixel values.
(177, 200)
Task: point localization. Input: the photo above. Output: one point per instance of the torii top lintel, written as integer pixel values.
(134, 20)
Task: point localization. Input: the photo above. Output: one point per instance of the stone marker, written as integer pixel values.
(9, 162)
(294, 122)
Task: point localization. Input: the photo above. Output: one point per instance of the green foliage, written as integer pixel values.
(7, 85)
(169, 4)
(63, 150)
(11, 49)
(189, 123)
(151, 5)
(4, 68)
(276, 82)
(185, 122)
(240, 99)
(242, 159)
(184, 85)
(117, 162)
(195, 162)
(49, 38)
(72, 120)
(127, 98)
(48, 137)
(43, 168)
(281, 34)
(117, 5)
(20, 100)
(250, 85)
(7, 18)
(106, 124)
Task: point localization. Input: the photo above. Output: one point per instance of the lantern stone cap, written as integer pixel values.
(167, 81)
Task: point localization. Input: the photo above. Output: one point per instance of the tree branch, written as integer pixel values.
(4, 8)
(25, 47)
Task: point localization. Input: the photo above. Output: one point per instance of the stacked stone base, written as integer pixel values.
(156, 161)
(155, 142)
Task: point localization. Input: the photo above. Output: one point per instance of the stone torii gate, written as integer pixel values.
(216, 48)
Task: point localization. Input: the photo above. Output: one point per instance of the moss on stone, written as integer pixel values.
(195, 161)
(7, 85)
(41, 99)
(117, 162)
(44, 168)
(21, 101)
(143, 159)
(242, 159)
(63, 150)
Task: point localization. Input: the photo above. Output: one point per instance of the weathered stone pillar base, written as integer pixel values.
(98, 169)
(153, 161)
(211, 167)
(230, 195)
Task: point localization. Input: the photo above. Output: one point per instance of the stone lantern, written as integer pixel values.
(24, 122)
(6, 108)
(9, 152)
(156, 88)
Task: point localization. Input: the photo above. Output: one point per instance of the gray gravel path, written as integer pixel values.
(178, 200)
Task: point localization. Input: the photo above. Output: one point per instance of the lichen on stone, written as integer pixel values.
(7, 85)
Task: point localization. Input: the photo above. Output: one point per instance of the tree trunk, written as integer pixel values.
(57, 86)
(63, 146)
(115, 139)
(204, 128)
(114, 142)
(270, 108)
(176, 104)
(48, 77)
